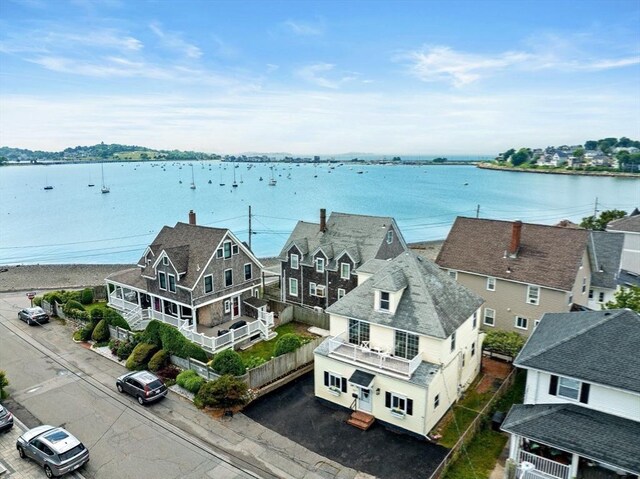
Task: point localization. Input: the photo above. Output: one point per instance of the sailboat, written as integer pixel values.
(272, 181)
(104, 189)
(193, 182)
(234, 184)
(47, 186)
(221, 182)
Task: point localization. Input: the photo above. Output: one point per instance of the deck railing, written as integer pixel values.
(546, 466)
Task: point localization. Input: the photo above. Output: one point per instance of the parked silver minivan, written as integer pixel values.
(54, 448)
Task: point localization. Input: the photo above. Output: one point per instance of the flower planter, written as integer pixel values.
(398, 414)
(335, 392)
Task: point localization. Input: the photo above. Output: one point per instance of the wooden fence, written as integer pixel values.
(116, 332)
(470, 432)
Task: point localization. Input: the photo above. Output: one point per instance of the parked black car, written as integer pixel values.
(35, 315)
(146, 387)
(6, 419)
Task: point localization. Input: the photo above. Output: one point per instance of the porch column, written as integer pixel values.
(514, 441)
(573, 468)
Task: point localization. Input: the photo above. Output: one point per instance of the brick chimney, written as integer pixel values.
(323, 220)
(516, 232)
(192, 217)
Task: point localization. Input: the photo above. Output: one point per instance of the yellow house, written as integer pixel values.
(403, 345)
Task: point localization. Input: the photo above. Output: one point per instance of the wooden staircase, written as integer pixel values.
(361, 420)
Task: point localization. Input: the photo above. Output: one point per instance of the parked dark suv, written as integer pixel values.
(35, 315)
(146, 387)
(6, 419)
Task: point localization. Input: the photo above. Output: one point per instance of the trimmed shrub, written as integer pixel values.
(168, 373)
(228, 362)
(114, 319)
(37, 301)
(159, 360)
(254, 362)
(101, 331)
(124, 350)
(190, 380)
(97, 314)
(139, 357)
(192, 350)
(225, 392)
(503, 342)
(86, 296)
(287, 343)
(4, 382)
(84, 334)
(151, 333)
(169, 338)
(71, 305)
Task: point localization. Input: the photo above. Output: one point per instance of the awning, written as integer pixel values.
(361, 378)
(256, 303)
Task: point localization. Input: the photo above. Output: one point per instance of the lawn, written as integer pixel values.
(266, 349)
(98, 304)
(462, 414)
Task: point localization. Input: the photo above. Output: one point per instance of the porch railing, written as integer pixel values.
(547, 466)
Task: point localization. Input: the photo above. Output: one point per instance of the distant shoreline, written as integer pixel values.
(489, 166)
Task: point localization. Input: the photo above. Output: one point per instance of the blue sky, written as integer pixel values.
(403, 77)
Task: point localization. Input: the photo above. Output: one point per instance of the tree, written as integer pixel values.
(590, 145)
(226, 392)
(507, 154)
(626, 298)
(600, 223)
(578, 153)
(522, 156)
(503, 342)
(4, 382)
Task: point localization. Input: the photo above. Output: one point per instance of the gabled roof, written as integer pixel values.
(629, 224)
(594, 346)
(548, 256)
(361, 235)
(587, 432)
(605, 253)
(189, 248)
(433, 303)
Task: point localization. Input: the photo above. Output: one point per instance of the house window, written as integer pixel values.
(389, 236)
(464, 359)
(601, 297)
(584, 285)
(227, 306)
(590, 294)
(293, 287)
(453, 273)
(294, 261)
(165, 261)
(436, 401)
(341, 293)
(208, 283)
(320, 265)
(163, 280)
(384, 301)
(473, 349)
(570, 299)
(453, 341)
(228, 277)
(312, 289)
(248, 272)
(521, 323)
(474, 322)
(489, 317)
(535, 323)
(219, 253)
(172, 283)
(406, 345)
(235, 249)
(335, 381)
(227, 249)
(358, 332)
(568, 388)
(398, 403)
(533, 294)
(345, 270)
(491, 284)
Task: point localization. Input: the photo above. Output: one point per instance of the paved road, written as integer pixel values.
(54, 381)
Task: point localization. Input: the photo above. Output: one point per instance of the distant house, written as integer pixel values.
(522, 270)
(605, 251)
(319, 260)
(630, 226)
(581, 411)
(404, 345)
(192, 277)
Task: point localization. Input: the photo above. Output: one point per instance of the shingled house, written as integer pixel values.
(581, 412)
(605, 252)
(403, 345)
(630, 226)
(522, 270)
(319, 260)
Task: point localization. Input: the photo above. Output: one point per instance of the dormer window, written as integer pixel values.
(294, 261)
(320, 265)
(389, 236)
(345, 270)
(165, 261)
(384, 301)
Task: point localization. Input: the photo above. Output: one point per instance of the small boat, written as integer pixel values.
(209, 181)
(48, 187)
(105, 188)
(235, 183)
(272, 181)
(193, 183)
(261, 178)
(91, 185)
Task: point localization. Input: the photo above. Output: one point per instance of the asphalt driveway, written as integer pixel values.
(294, 412)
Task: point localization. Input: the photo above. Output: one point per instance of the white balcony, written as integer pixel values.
(544, 468)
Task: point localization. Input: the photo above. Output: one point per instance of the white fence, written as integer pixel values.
(547, 466)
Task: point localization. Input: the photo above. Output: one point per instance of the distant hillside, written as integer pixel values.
(101, 152)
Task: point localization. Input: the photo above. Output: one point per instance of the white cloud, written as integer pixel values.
(319, 74)
(303, 28)
(606, 64)
(175, 41)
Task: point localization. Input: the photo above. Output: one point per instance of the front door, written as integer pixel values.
(236, 306)
(364, 403)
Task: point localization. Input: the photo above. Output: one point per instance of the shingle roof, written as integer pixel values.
(629, 224)
(548, 255)
(604, 253)
(432, 304)
(189, 248)
(594, 434)
(593, 346)
(361, 235)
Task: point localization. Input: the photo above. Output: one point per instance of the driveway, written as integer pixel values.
(293, 412)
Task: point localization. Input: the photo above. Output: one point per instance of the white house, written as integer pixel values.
(403, 345)
(630, 226)
(581, 411)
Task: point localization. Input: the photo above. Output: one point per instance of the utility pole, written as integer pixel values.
(250, 227)
(595, 209)
(478, 212)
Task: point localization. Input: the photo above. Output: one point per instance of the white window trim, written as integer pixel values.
(312, 289)
(436, 401)
(204, 284)
(601, 297)
(473, 349)
(491, 283)
(224, 249)
(530, 288)
(293, 281)
(175, 286)
(296, 261)
(162, 274)
(474, 320)
(348, 268)
(335, 381)
(225, 278)
(341, 293)
(320, 261)
(244, 271)
(577, 398)
(453, 342)
(380, 308)
(389, 236)
(520, 327)
(227, 306)
(453, 273)
(395, 397)
(493, 317)
(165, 261)
(235, 249)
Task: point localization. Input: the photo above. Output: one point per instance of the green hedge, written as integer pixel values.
(190, 380)
(140, 356)
(159, 360)
(225, 392)
(228, 362)
(71, 305)
(169, 338)
(86, 296)
(287, 343)
(101, 331)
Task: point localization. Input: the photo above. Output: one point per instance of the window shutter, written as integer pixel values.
(344, 385)
(410, 407)
(553, 385)
(326, 378)
(387, 399)
(584, 393)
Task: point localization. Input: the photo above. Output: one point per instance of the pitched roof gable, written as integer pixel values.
(605, 252)
(628, 224)
(432, 304)
(548, 256)
(593, 346)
